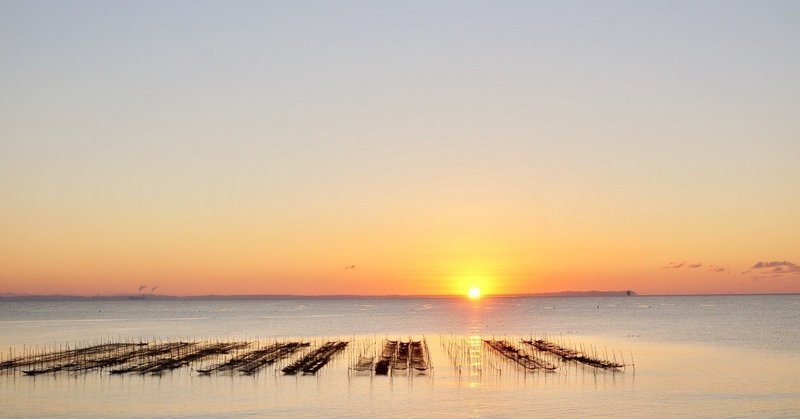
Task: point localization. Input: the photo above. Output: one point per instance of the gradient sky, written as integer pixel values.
(264, 147)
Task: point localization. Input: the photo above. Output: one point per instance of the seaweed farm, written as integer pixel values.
(250, 362)
(390, 357)
(397, 357)
(568, 354)
(311, 362)
(155, 358)
(524, 360)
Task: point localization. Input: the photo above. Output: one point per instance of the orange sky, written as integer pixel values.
(259, 149)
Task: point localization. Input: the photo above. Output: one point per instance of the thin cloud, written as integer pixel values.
(780, 265)
(673, 265)
(775, 268)
(685, 265)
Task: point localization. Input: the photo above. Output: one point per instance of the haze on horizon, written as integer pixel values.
(399, 147)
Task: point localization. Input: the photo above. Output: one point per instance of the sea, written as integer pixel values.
(685, 356)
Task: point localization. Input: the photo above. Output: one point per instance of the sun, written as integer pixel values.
(474, 293)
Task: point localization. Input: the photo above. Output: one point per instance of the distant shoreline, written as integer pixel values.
(569, 294)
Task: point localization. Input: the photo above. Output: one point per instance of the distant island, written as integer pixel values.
(9, 296)
(593, 293)
(142, 296)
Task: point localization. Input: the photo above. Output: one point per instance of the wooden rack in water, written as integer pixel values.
(527, 361)
(567, 354)
(400, 361)
(250, 362)
(156, 358)
(316, 359)
(209, 357)
(399, 356)
(182, 355)
(388, 354)
(76, 359)
(420, 356)
(364, 363)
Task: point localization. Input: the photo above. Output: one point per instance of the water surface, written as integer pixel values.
(709, 356)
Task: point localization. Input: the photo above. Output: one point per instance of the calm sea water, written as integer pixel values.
(702, 356)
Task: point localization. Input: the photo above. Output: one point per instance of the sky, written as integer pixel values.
(410, 147)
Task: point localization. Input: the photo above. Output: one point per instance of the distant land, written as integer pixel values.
(144, 296)
(10, 296)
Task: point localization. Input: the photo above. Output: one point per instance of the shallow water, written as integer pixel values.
(710, 356)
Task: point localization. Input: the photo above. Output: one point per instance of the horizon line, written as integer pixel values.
(592, 293)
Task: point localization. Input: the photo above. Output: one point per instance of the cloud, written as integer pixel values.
(777, 264)
(673, 265)
(712, 268)
(776, 268)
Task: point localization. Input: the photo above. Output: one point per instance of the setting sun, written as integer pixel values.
(474, 293)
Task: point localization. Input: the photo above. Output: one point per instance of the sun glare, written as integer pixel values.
(474, 293)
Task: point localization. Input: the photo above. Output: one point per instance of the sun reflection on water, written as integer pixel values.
(475, 348)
